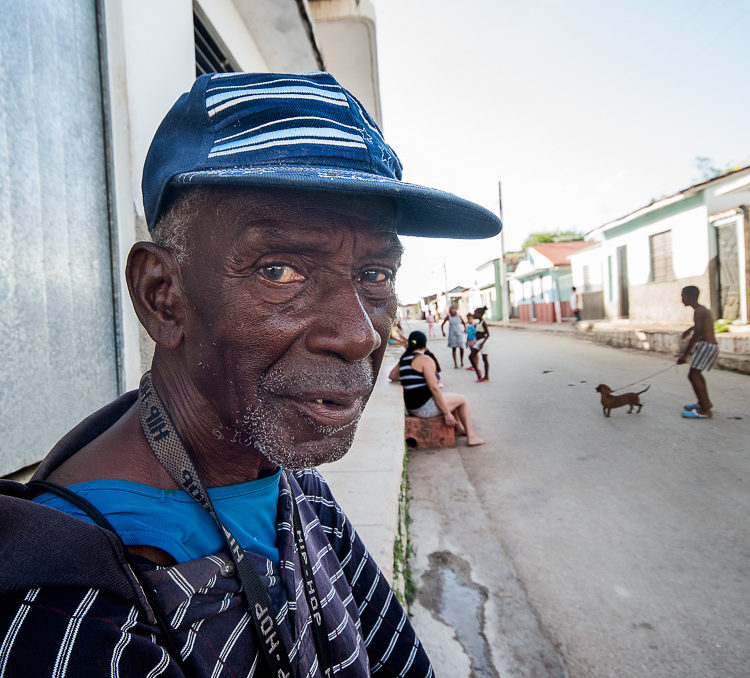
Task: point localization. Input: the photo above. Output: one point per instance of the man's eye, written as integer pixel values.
(280, 273)
(374, 275)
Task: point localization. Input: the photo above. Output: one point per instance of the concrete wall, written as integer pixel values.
(591, 289)
(592, 305)
(346, 32)
(660, 302)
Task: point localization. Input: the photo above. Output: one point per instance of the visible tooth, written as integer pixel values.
(319, 400)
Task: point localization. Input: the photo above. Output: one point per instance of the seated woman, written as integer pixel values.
(397, 334)
(422, 395)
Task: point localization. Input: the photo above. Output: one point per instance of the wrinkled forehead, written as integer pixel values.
(226, 213)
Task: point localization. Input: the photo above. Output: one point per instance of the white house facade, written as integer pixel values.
(698, 236)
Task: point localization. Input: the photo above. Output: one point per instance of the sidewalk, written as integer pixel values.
(734, 346)
(367, 481)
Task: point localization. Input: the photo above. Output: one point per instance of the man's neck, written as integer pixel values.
(219, 462)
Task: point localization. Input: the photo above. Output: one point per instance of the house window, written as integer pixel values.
(587, 278)
(209, 56)
(660, 246)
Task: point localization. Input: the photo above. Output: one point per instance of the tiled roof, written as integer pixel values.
(558, 252)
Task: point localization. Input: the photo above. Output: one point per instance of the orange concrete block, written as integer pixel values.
(429, 432)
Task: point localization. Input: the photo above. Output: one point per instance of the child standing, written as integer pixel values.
(455, 333)
(471, 338)
(483, 334)
(705, 352)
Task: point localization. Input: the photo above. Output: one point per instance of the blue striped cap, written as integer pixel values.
(295, 130)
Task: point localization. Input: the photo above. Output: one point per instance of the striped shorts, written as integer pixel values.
(704, 355)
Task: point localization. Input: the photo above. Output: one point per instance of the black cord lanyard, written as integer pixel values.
(169, 449)
(149, 594)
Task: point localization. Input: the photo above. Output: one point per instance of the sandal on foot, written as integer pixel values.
(694, 414)
(690, 407)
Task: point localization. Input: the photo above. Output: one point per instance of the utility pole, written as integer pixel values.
(505, 297)
(445, 279)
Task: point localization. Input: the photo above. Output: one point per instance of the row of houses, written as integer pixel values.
(632, 268)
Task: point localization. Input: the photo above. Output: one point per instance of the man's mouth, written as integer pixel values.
(326, 410)
(329, 396)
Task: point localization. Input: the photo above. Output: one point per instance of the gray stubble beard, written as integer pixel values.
(258, 429)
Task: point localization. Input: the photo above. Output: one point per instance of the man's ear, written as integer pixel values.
(154, 283)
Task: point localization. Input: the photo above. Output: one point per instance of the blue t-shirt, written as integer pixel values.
(471, 332)
(174, 522)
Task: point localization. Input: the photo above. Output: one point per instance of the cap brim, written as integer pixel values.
(422, 211)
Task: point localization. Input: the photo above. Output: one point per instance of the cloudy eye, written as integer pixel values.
(280, 273)
(374, 275)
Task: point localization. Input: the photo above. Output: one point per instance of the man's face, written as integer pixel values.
(292, 299)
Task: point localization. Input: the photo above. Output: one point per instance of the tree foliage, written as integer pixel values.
(708, 169)
(551, 236)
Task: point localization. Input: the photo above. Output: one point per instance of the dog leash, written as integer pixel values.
(641, 381)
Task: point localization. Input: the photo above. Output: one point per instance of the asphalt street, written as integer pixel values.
(582, 545)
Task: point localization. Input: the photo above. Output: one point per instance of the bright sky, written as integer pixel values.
(585, 109)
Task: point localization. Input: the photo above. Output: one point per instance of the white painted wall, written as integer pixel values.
(225, 21)
(593, 259)
(346, 32)
(537, 259)
(150, 55)
(729, 192)
(150, 61)
(691, 249)
(690, 246)
(485, 274)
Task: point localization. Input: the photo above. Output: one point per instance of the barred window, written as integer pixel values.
(660, 245)
(587, 278)
(209, 55)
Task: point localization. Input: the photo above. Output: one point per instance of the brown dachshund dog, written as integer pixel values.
(609, 401)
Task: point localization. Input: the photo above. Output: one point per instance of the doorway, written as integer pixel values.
(622, 281)
(729, 271)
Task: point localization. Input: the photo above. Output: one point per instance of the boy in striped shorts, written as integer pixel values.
(705, 350)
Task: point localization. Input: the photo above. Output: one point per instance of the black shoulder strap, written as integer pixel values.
(86, 506)
(92, 512)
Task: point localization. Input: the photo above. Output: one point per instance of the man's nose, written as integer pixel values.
(343, 326)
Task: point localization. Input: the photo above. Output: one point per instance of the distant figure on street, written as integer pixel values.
(471, 338)
(482, 335)
(422, 396)
(431, 323)
(705, 351)
(456, 331)
(575, 305)
(397, 334)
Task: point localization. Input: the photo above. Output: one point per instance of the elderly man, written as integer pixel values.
(181, 530)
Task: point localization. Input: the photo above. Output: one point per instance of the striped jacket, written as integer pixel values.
(70, 606)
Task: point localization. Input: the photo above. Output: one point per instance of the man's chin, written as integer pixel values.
(296, 456)
(287, 435)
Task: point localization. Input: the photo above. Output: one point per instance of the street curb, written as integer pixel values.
(660, 341)
(367, 480)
